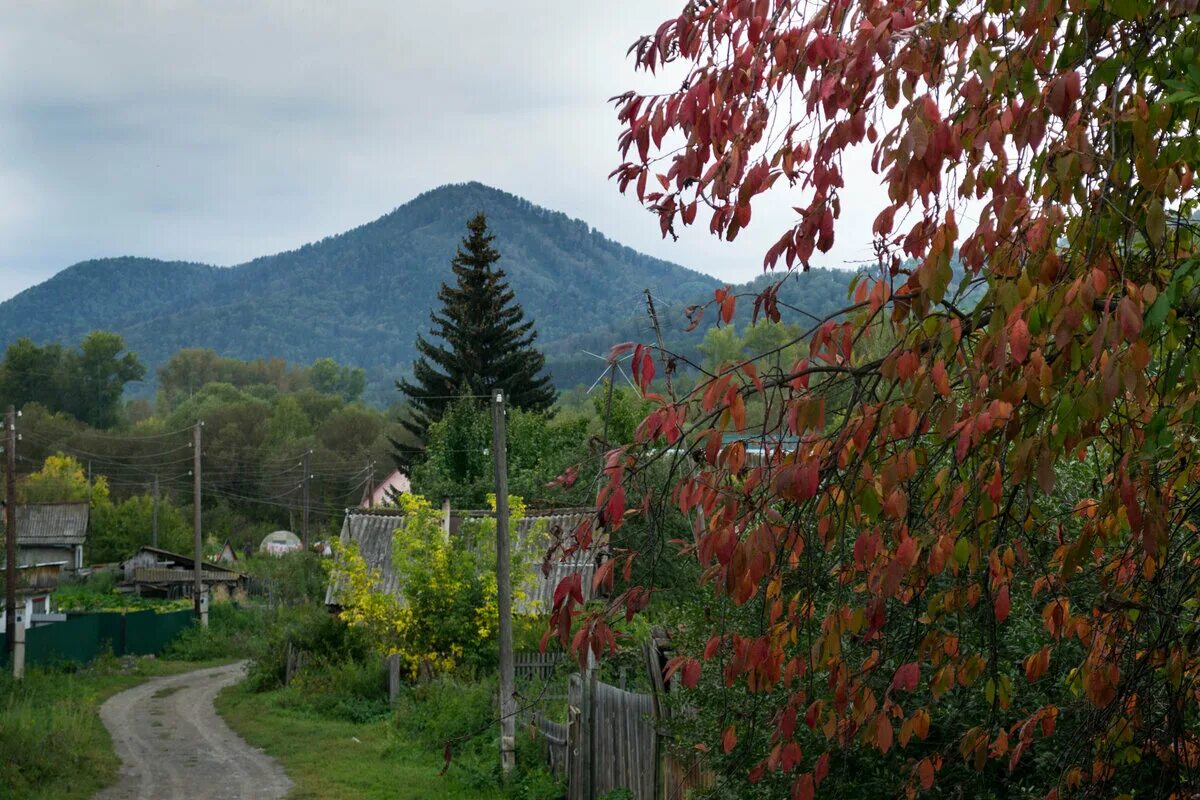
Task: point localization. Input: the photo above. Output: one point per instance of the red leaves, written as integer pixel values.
(906, 677)
(687, 667)
(1064, 91)
(729, 739)
(1130, 317)
(1018, 340)
(1002, 604)
(925, 774)
(643, 367)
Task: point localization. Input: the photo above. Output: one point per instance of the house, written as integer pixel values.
(35, 586)
(152, 572)
(52, 533)
(372, 531)
(376, 496)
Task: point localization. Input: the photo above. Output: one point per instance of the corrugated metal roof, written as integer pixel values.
(52, 524)
(372, 532)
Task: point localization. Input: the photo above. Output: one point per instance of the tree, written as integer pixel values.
(87, 383)
(62, 479)
(911, 589)
(486, 342)
(328, 377)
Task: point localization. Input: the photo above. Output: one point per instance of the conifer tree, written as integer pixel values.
(485, 341)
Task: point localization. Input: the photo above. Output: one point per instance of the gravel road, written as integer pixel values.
(172, 744)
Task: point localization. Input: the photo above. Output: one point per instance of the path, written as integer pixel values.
(173, 744)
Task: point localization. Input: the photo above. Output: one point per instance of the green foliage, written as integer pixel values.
(99, 593)
(486, 344)
(328, 377)
(86, 383)
(290, 579)
(458, 462)
(117, 530)
(446, 615)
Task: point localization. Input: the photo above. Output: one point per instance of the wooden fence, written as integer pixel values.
(613, 743)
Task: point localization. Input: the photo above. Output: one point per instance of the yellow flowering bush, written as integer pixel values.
(445, 615)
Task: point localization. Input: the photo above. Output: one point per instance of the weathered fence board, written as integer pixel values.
(612, 741)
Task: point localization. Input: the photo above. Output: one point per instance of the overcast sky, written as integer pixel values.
(221, 131)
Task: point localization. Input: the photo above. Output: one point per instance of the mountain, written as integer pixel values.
(361, 296)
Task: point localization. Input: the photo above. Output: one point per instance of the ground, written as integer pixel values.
(336, 759)
(172, 743)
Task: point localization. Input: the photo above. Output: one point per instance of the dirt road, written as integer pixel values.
(173, 744)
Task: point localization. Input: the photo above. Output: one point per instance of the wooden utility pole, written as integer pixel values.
(197, 555)
(508, 711)
(10, 528)
(304, 529)
(154, 517)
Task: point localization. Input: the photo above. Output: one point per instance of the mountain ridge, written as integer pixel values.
(378, 281)
(360, 296)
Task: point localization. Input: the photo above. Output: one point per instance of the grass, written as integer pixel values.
(331, 759)
(53, 741)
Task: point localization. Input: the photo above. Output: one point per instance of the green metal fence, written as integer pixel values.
(83, 636)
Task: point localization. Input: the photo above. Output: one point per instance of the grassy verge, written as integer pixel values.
(51, 737)
(332, 758)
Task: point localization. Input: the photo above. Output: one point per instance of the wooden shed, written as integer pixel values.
(152, 572)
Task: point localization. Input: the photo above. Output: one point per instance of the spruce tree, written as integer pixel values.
(485, 342)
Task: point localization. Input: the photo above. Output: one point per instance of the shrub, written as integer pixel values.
(232, 632)
(354, 691)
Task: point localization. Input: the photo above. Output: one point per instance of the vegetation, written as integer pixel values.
(87, 382)
(332, 757)
(54, 744)
(357, 297)
(487, 344)
(445, 618)
(918, 593)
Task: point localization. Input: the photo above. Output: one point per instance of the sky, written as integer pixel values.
(221, 131)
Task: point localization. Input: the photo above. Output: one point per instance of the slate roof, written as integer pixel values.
(372, 532)
(52, 524)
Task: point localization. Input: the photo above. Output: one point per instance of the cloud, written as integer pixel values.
(219, 131)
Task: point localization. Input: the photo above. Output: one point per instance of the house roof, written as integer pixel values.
(52, 524)
(184, 561)
(372, 531)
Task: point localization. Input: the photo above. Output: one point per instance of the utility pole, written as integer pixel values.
(370, 483)
(197, 555)
(10, 526)
(508, 711)
(304, 529)
(154, 517)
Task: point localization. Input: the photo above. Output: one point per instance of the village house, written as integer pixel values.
(52, 533)
(382, 495)
(152, 572)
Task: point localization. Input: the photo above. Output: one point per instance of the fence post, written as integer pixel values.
(19, 650)
(204, 609)
(393, 671)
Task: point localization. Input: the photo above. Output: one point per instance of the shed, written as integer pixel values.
(154, 572)
(51, 533)
(372, 531)
(227, 555)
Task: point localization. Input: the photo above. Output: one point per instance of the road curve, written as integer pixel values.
(173, 744)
